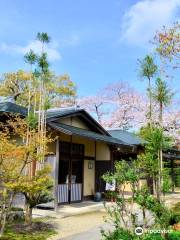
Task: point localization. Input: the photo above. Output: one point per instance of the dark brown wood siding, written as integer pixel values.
(101, 168)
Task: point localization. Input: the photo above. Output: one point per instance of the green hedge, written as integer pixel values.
(121, 234)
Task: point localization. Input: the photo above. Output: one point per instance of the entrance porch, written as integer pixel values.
(80, 158)
(71, 174)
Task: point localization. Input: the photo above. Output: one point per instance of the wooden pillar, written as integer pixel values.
(70, 173)
(172, 174)
(95, 180)
(56, 176)
(112, 158)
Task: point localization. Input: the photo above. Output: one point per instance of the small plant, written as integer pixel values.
(118, 234)
(36, 190)
(121, 212)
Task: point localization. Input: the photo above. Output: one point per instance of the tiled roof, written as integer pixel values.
(125, 136)
(9, 107)
(71, 130)
(61, 112)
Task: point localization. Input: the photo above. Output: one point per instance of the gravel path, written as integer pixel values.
(92, 234)
(85, 224)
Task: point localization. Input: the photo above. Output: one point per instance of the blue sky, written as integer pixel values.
(95, 41)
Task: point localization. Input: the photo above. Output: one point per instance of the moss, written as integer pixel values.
(20, 231)
(16, 209)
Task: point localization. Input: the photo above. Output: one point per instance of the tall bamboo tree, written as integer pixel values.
(162, 95)
(148, 69)
(43, 38)
(31, 59)
(44, 73)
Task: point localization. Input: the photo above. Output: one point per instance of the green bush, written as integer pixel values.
(153, 236)
(118, 234)
(175, 218)
(121, 234)
(175, 235)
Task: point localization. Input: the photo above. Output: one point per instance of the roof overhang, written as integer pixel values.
(71, 130)
(53, 117)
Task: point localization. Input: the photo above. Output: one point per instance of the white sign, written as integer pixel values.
(111, 187)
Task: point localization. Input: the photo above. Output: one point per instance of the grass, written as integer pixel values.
(19, 231)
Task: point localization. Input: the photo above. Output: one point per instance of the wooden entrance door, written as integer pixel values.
(70, 187)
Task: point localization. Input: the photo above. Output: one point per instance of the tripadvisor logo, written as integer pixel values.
(160, 230)
(138, 231)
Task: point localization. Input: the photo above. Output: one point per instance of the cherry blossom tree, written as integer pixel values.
(172, 124)
(167, 41)
(129, 107)
(95, 105)
(116, 106)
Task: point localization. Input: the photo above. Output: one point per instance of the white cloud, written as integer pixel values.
(72, 40)
(145, 17)
(52, 50)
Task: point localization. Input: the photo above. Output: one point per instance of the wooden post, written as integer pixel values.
(70, 173)
(111, 158)
(56, 176)
(95, 152)
(172, 174)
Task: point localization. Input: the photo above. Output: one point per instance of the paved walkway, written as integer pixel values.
(70, 210)
(91, 234)
(84, 218)
(88, 207)
(172, 198)
(75, 226)
(81, 221)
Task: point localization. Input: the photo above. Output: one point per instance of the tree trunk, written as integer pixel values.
(144, 217)
(28, 214)
(160, 151)
(3, 221)
(154, 187)
(159, 178)
(5, 209)
(97, 113)
(161, 170)
(150, 102)
(165, 236)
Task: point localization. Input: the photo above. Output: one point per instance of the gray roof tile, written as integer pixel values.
(125, 136)
(71, 130)
(9, 107)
